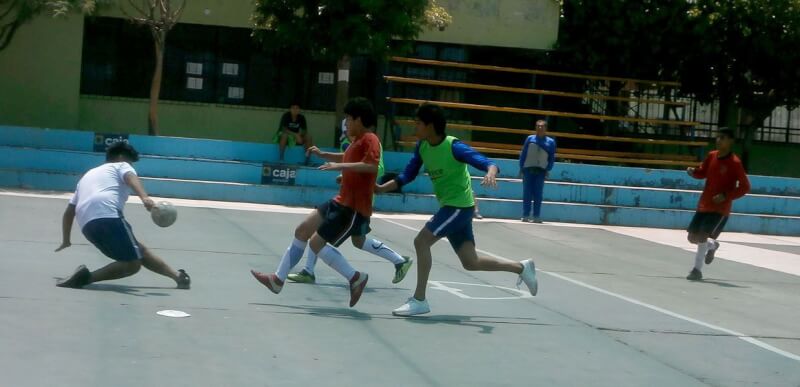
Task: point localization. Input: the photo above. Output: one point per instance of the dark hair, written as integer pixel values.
(728, 132)
(360, 107)
(122, 148)
(430, 113)
(295, 102)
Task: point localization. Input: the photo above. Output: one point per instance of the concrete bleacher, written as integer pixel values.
(43, 159)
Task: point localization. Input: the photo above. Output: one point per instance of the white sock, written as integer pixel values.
(336, 260)
(378, 248)
(311, 262)
(291, 258)
(702, 249)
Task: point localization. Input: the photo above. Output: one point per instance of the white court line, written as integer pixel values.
(440, 285)
(275, 208)
(634, 301)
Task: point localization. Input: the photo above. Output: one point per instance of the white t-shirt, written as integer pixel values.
(102, 193)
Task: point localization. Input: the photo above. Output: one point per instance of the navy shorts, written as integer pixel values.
(709, 224)
(114, 238)
(340, 222)
(454, 223)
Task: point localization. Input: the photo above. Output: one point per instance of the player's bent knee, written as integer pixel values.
(422, 242)
(317, 243)
(132, 267)
(697, 238)
(470, 266)
(304, 231)
(358, 242)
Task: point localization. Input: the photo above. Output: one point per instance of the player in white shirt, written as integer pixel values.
(97, 204)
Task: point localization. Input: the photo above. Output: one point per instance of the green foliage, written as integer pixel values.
(741, 51)
(15, 13)
(635, 39)
(329, 30)
(745, 51)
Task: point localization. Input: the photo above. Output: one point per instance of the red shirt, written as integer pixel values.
(358, 187)
(724, 175)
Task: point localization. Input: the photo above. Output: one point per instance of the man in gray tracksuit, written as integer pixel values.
(535, 162)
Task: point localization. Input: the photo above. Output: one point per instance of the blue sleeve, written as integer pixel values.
(524, 153)
(465, 154)
(551, 155)
(412, 169)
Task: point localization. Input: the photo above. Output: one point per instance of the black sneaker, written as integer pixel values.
(77, 280)
(184, 281)
(695, 275)
(710, 254)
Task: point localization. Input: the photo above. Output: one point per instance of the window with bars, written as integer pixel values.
(210, 64)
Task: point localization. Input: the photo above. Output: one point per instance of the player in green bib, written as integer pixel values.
(446, 160)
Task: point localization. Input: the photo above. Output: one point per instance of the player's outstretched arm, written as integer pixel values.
(389, 186)
(327, 156)
(136, 185)
(466, 154)
(66, 227)
(490, 180)
(360, 167)
(701, 171)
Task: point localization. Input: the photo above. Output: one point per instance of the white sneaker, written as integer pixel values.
(529, 276)
(412, 307)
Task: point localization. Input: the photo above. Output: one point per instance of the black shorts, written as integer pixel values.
(114, 238)
(707, 223)
(340, 222)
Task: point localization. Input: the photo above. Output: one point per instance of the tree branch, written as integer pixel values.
(164, 5)
(133, 4)
(7, 33)
(179, 12)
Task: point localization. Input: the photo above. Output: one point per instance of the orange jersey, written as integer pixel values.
(724, 175)
(358, 187)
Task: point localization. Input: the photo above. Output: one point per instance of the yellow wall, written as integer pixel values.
(531, 24)
(40, 76)
(230, 13)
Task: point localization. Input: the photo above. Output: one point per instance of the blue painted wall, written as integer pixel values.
(225, 170)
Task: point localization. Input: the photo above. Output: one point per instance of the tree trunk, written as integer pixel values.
(747, 145)
(155, 88)
(753, 121)
(728, 113)
(342, 88)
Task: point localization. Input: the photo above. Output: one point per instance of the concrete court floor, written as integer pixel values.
(614, 309)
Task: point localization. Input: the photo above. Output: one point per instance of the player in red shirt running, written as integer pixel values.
(347, 215)
(726, 181)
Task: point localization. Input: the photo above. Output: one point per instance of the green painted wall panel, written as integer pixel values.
(40, 74)
(775, 160)
(226, 122)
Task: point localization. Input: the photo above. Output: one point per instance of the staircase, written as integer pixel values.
(45, 159)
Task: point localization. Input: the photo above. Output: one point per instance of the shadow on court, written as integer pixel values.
(319, 311)
(485, 324)
(138, 291)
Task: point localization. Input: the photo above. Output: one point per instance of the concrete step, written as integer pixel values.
(414, 203)
(203, 149)
(250, 173)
